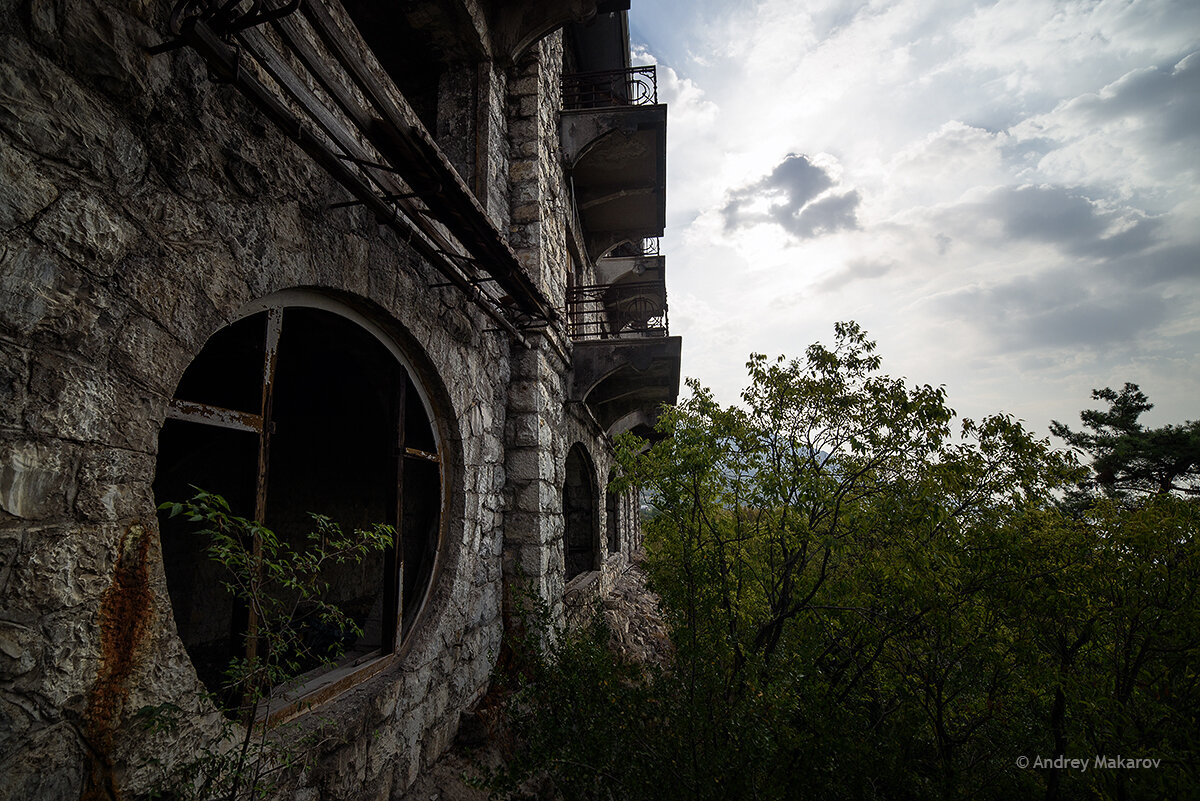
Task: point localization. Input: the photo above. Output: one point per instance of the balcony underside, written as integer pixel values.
(624, 382)
(614, 270)
(618, 164)
(461, 30)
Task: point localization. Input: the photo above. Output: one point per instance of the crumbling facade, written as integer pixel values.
(385, 262)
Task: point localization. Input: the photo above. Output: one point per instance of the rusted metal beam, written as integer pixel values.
(223, 60)
(209, 415)
(426, 455)
(270, 360)
(297, 702)
(393, 579)
(428, 171)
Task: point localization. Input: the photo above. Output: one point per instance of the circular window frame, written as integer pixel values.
(321, 690)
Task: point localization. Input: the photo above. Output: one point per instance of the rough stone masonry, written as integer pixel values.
(320, 256)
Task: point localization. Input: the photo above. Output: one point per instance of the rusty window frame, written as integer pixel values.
(261, 424)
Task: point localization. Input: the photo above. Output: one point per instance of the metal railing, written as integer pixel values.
(636, 86)
(628, 310)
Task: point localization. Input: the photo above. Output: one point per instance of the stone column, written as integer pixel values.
(536, 182)
(535, 454)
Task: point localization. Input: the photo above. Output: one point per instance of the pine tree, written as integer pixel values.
(1129, 459)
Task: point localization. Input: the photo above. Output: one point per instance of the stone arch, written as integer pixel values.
(580, 513)
(305, 404)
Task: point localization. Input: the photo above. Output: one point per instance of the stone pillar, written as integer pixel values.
(536, 182)
(535, 454)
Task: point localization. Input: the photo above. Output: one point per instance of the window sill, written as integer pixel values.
(323, 686)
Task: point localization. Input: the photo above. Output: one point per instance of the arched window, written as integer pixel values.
(580, 514)
(292, 410)
(612, 518)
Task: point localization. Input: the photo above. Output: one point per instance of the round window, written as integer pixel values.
(289, 412)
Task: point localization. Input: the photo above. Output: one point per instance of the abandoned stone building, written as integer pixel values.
(383, 261)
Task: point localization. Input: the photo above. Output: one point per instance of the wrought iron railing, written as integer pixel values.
(636, 86)
(628, 310)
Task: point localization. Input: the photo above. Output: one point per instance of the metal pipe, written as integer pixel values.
(395, 131)
(303, 97)
(223, 60)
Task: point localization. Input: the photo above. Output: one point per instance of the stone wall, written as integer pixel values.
(144, 207)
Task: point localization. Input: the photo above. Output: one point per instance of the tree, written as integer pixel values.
(866, 605)
(831, 556)
(1129, 459)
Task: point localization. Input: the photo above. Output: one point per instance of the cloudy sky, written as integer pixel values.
(1003, 194)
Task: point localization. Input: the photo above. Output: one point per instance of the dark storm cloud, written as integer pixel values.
(794, 193)
(1059, 216)
(830, 213)
(1119, 279)
(795, 181)
(1061, 309)
(1046, 214)
(1180, 262)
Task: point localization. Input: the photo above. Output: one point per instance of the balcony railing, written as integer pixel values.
(636, 86)
(627, 310)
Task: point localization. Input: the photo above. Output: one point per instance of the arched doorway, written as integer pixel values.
(301, 407)
(582, 533)
(612, 518)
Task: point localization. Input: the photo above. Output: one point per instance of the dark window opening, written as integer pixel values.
(612, 519)
(341, 431)
(633, 517)
(579, 513)
(409, 55)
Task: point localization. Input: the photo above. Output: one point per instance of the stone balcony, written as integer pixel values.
(614, 134)
(626, 364)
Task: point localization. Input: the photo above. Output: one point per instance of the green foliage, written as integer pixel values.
(576, 710)
(286, 590)
(1129, 459)
(868, 603)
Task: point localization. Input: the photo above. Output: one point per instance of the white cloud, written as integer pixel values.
(1020, 181)
(1139, 134)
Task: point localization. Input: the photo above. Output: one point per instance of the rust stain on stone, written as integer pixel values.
(125, 611)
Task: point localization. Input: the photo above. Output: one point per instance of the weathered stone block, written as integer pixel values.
(14, 378)
(72, 401)
(24, 191)
(114, 484)
(35, 478)
(71, 659)
(529, 464)
(148, 354)
(48, 764)
(106, 47)
(59, 567)
(83, 228)
(26, 276)
(19, 647)
(48, 113)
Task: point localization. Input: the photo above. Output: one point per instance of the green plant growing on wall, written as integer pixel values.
(285, 589)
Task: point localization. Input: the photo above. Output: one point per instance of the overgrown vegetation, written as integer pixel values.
(869, 602)
(283, 586)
